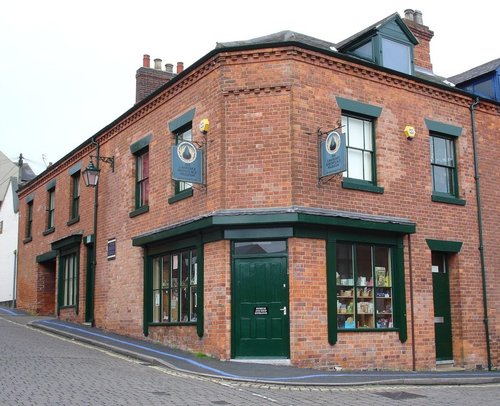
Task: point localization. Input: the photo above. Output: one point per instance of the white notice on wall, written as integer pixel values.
(435, 268)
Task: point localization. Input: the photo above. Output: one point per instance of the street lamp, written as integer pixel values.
(91, 173)
(91, 179)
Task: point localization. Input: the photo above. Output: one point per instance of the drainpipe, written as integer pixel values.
(480, 229)
(13, 304)
(410, 266)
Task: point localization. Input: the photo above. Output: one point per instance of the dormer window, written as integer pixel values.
(396, 55)
(388, 43)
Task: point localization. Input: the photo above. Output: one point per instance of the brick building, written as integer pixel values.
(270, 255)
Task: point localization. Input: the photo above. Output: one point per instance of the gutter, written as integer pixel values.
(480, 229)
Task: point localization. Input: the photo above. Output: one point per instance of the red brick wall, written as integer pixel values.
(265, 108)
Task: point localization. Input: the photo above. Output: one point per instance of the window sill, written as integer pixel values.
(365, 186)
(49, 231)
(447, 199)
(27, 240)
(367, 329)
(73, 221)
(181, 196)
(140, 210)
(174, 324)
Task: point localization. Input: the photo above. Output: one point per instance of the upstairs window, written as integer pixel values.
(142, 179)
(29, 221)
(444, 177)
(442, 139)
(51, 208)
(359, 140)
(75, 196)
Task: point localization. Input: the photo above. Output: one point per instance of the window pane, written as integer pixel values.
(441, 151)
(193, 304)
(367, 156)
(260, 247)
(165, 302)
(166, 272)
(365, 51)
(368, 135)
(156, 273)
(156, 306)
(344, 264)
(174, 303)
(441, 179)
(396, 55)
(355, 163)
(184, 305)
(356, 133)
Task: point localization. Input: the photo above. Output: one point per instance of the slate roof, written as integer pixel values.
(475, 72)
(279, 38)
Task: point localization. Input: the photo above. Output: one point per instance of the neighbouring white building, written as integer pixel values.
(10, 172)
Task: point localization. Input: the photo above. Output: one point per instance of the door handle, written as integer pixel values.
(283, 309)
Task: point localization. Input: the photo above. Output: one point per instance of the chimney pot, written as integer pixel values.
(169, 67)
(409, 14)
(158, 63)
(180, 67)
(145, 61)
(417, 14)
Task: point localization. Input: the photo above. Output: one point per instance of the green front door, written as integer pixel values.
(442, 308)
(260, 317)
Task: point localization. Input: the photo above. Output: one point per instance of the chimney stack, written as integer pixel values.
(148, 79)
(180, 67)
(422, 54)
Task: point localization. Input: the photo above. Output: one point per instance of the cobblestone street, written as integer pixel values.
(39, 368)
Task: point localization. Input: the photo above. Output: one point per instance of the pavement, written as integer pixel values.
(186, 362)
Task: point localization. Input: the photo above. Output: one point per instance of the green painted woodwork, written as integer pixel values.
(358, 107)
(259, 292)
(398, 281)
(285, 219)
(443, 128)
(182, 120)
(357, 184)
(442, 198)
(194, 241)
(444, 246)
(181, 195)
(51, 184)
(89, 284)
(397, 30)
(442, 313)
(141, 144)
(66, 242)
(140, 210)
(29, 198)
(75, 168)
(47, 256)
(258, 233)
(331, 285)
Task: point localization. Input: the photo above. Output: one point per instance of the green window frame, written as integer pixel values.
(69, 279)
(443, 160)
(29, 220)
(51, 208)
(358, 123)
(443, 165)
(175, 287)
(364, 290)
(142, 178)
(75, 197)
(360, 147)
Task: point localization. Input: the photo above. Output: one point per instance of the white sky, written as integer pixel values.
(67, 68)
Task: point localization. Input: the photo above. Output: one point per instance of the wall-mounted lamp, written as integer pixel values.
(91, 173)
